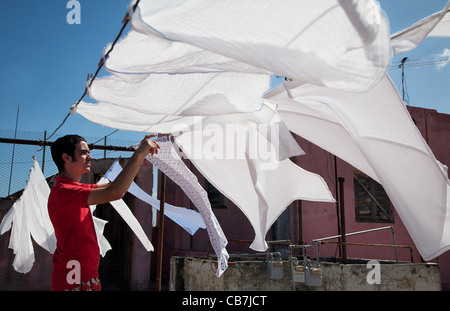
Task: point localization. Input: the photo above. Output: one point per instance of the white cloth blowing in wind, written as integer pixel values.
(27, 218)
(374, 132)
(435, 25)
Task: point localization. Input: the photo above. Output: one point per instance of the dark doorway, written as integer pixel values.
(115, 267)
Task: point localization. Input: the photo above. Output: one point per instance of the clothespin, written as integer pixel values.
(126, 18)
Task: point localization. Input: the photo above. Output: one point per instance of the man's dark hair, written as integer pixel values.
(66, 144)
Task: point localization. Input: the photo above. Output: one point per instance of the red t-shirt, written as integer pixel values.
(75, 233)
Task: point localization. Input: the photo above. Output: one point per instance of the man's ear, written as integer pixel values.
(66, 158)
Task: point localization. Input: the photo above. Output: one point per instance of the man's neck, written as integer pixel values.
(71, 175)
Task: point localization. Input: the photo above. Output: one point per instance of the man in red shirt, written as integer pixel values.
(77, 254)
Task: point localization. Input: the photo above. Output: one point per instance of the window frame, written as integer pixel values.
(363, 183)
(211, 190)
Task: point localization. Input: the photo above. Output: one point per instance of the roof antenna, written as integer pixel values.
(402, 65)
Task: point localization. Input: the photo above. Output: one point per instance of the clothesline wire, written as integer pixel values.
(105, 136)
(99, 67)
(420, 64)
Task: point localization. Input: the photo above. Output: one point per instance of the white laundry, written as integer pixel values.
(216, 70)
(27, 218)
(262, 185)
(124, 211)
(435, 25)
(332, 50)
(240, 163)
(333, 43)
(168, 57)
(189, 220)
(374, 132)
(168, 161)
(442, 29)
(99, 225)
(184, 94)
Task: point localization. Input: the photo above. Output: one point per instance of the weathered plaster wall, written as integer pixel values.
(193, 274)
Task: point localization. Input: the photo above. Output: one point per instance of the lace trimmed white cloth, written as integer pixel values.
(188, 219)
(168, 161)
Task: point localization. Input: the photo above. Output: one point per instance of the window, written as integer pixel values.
(214, 196)
(371, 201)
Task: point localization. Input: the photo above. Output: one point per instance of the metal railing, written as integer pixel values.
(344, 244)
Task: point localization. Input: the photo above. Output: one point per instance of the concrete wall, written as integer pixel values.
(194, 274)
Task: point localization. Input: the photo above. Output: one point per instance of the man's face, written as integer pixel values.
(81, 161)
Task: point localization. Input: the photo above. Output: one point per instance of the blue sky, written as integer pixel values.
(45, 61)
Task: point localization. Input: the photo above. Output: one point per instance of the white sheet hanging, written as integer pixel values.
(185, 94)
(124, 211)
(238, 165)
(27, 218)
(155, 55)
(99, 225)
(334, 43)
(225, 67)
(375, 133)
(248, 162)
(442, 29)
(435, 25)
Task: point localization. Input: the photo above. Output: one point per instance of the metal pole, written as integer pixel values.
(402, 65)
(160, 233)
(43, 153)
(395, 243)
(342, 207)
(300, 221)
(353, 233)
(104, 151)
(14, 149)
(337, 204)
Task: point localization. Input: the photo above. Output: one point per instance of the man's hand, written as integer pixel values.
(117, 189)
(148, 146)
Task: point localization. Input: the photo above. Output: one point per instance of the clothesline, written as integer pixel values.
(49, 143)
(420, 64)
